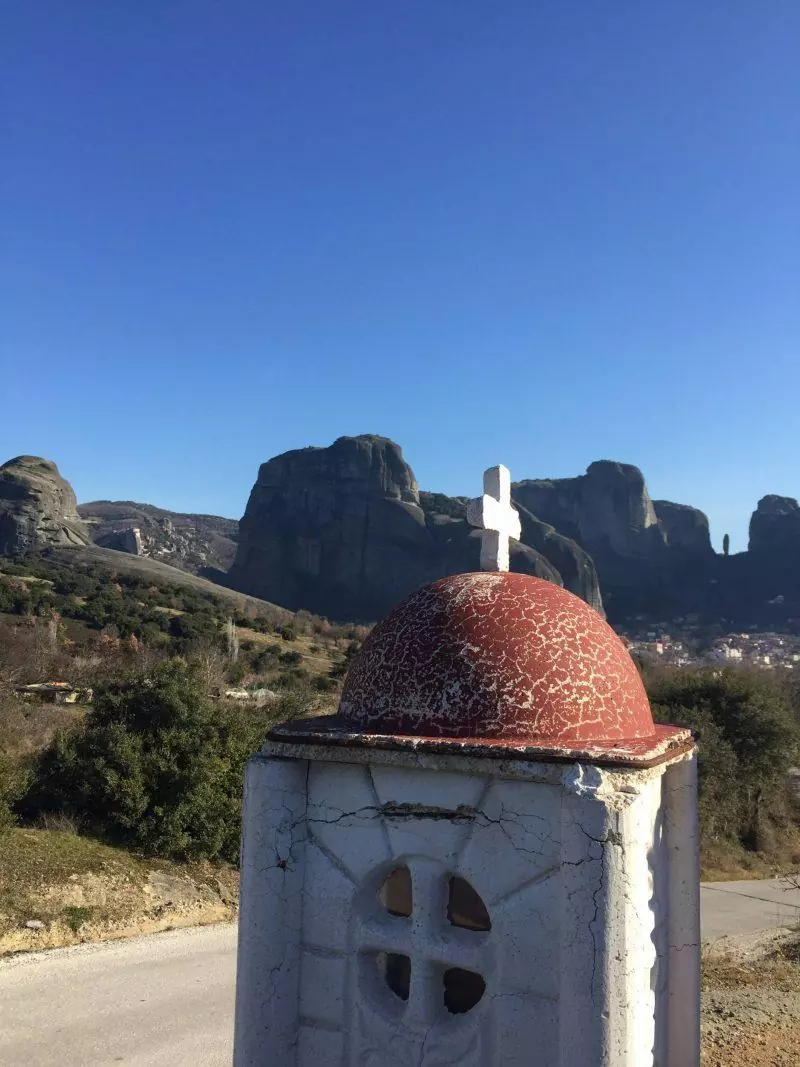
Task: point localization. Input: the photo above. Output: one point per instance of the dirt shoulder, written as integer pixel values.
(751, 1001)
(57, 889)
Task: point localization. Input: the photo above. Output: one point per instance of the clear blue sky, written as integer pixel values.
(531, 233)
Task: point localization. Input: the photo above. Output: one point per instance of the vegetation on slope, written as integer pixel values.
(121, 815)
(156, 765)
(748, 722)
(135, 604)
(58, 887)
(183, 692)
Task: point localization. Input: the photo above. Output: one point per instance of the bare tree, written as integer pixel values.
(211, 664)
(232, 641)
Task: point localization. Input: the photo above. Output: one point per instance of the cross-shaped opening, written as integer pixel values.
(460, 988)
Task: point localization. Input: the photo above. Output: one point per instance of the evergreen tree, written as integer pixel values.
(156, 765)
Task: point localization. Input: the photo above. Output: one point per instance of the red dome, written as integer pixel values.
(497, 656)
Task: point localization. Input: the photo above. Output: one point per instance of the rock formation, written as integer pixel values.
(607, 508)
(37, 507)
(344, 531)
(127, 540)
(199, 544)
(652, 559)
(575, 567)
(775, 526)
(683, 527)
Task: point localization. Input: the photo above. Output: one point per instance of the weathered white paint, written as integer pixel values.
(683, 874)
(494, 516)
(271, 915)
(588, 875)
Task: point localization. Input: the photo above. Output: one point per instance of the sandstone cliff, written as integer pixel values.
(344, 531)
(37, 507)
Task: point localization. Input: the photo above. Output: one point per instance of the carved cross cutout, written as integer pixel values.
(494, 516)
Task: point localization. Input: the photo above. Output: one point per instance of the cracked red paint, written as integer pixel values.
(503, 657)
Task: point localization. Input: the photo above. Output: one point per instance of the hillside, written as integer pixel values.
(163, 574)
(195, 543)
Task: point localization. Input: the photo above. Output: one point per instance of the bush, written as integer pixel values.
(236, 672)
(156, 765)
(265, 659)
(293, 677)
(13, 779)
(323, 684)
(291, 659)
(749, 738)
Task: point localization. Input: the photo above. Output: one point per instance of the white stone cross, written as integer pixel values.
(494, 516)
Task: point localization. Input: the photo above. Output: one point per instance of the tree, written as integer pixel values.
(726, 544)
(232, 640)
(12, 786)
(156, 765)
(749, 739)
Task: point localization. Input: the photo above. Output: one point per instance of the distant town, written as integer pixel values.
(683, 642)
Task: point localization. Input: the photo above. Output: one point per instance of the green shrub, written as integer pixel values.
(266, 658)
(236, 672)
(156, 765)
(291, 659)
(293, 677)
(323, 684)
(13, 781)
(76, 916)
(749, 738)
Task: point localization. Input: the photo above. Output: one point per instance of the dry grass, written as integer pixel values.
(727, 861)
(81, 889)
(27, 726)
(751, 1001)
(317, 662)
(778, 969)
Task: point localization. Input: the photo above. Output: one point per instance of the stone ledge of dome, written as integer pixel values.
(665, 744)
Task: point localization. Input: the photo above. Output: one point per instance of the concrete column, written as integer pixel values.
(683, 870)
(608, 954)
(583, 997)
(270, 921)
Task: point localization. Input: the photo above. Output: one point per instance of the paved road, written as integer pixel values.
(747, 907)
(167, 1000)
(159, 1001)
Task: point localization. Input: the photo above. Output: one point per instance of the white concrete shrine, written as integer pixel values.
(489, 857)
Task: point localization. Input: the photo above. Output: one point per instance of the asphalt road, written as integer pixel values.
(747, 907)
(167, 1000)
(159, 1001)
